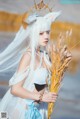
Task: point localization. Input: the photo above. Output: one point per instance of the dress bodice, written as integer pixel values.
(40, 74)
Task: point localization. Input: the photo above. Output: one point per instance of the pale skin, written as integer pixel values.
(18, 89)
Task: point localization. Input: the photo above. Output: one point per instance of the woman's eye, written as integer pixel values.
(41, 33)
(47, 32)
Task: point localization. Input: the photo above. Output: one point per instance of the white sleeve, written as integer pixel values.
(17, 77)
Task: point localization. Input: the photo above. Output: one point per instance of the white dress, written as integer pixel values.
(18, 108)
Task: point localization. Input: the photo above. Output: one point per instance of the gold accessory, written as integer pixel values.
(37, 7)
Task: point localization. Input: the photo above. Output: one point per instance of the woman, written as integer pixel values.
(28, 95)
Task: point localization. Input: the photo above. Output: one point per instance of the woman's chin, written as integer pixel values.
(44, 44)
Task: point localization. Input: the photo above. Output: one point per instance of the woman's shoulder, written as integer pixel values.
(26, 58)
(27, 55)
(27, 52)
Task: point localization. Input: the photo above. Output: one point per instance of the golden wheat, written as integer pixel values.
(57, 70)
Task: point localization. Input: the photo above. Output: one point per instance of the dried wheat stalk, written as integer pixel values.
(60, 57)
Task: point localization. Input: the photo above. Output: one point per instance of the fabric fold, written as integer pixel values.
(32, 112)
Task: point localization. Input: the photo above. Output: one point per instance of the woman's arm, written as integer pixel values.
(18, 89)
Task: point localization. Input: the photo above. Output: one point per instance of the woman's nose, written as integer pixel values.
(46, 35)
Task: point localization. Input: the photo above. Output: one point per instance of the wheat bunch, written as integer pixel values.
(60, 58)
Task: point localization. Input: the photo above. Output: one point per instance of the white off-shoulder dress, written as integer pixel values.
(19, 108)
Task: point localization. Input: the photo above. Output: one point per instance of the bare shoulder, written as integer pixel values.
(25, 61)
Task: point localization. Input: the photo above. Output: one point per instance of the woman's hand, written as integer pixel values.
(49, 97)
(37, 96)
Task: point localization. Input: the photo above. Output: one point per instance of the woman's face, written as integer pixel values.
(44, 38)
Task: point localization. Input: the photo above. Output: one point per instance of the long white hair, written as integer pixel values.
(24, 39)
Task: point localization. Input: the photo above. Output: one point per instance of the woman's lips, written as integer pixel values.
(46, 41)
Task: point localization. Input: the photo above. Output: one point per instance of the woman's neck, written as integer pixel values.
(40, 49)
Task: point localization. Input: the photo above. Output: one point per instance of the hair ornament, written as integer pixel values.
(31, 19)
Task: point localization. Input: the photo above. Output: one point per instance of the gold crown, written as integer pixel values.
(37, 7)
(41, 5)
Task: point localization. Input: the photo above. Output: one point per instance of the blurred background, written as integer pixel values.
(11, 14)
